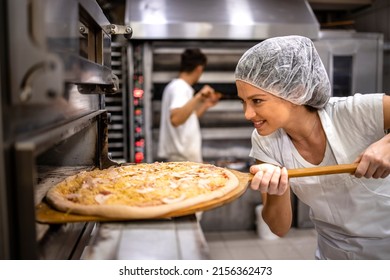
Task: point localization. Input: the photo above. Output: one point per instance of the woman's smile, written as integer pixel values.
(258, 124)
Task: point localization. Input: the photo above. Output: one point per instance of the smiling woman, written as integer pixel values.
(286, 94)
(266, 111)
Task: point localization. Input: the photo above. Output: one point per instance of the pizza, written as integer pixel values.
(140, 191)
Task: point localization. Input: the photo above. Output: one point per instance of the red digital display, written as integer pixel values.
(139, 157)
(138, 93)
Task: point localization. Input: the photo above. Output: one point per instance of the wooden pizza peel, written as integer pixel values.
(47, 215)
(245, 178)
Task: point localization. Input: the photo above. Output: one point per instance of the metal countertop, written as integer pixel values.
(172, 239)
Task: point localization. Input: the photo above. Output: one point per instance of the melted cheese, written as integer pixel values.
(143, 184)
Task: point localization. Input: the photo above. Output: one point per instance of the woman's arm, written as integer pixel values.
(272, 182)
(374, 162)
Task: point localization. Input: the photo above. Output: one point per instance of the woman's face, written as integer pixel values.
(267, 112)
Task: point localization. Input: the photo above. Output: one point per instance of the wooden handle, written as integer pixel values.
(323, 170)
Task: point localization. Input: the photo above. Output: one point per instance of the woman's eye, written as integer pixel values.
(257, 101)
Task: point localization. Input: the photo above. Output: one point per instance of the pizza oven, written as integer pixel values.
(55, 74)
(225, 131)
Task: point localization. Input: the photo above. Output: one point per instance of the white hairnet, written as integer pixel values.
(288, 67)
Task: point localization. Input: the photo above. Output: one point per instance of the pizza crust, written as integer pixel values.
(121, 211)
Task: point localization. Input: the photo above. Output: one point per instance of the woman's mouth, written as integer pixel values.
(258, 124)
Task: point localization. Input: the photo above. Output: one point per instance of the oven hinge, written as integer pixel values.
(114, 29)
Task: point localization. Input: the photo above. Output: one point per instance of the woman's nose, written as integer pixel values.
(249, 113)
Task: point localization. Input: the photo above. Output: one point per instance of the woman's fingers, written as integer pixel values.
(269, 179)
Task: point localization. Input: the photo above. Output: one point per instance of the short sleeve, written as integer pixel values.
(359, 118)
(267, 148)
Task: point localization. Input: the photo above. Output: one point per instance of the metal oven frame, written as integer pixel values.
(55, 70)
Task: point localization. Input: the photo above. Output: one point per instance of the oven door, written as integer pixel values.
(55, 68)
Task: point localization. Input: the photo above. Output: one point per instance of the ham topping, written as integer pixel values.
(168, 200)
(101, 198)
(145, 190)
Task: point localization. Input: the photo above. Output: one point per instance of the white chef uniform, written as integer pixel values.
(181, 143)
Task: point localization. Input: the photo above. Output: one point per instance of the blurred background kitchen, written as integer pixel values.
(81, 86)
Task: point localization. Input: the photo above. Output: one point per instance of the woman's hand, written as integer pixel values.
(374, 162)
(269, 179)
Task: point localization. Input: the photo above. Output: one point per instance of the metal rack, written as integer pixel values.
(225, 131)
(118, 107)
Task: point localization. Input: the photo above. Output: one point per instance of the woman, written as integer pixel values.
(285, 92)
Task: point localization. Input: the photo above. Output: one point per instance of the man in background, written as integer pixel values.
(180, 136)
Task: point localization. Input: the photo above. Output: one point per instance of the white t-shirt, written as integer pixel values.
(182, 143)
(350, 214)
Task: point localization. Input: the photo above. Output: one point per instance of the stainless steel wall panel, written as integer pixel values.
(366, 52)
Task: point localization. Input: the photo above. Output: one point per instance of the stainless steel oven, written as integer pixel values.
(55, 71)
(225, 131)
(353, 60)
